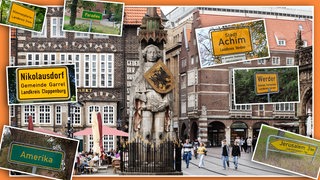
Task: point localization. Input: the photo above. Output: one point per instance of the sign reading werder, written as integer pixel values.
(42, 83)
(30, 155)
(231, 41)
(266, 83)
(21, 15)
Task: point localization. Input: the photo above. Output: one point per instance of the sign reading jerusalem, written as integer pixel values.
(41, 84)
(231, 43)
(23, 15)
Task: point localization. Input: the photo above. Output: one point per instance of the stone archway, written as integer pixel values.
(194, 131)
(216, 133)
(256, 128)
(238, 128)
(183, 132)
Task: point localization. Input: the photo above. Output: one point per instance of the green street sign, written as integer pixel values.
(30, 155)
(91, 15)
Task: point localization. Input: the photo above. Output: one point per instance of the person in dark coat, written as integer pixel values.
(236, 153)
(225, 154)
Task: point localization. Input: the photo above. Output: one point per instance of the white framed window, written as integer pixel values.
(87, 70)
(62, 58)
(261, 107)
(12, 110)
(108, 115)
(76, 115)
(56, 27)
(100, 36)
(81, 35)
(103, 70)
(191, 77)
(29, 110)
(90, 144)
(36, 59)
(69, 58)
(284, 107)
(275, 60)
(108, 142)
(192, 60)
(183, 81)
(30, 59)
(247, 62)
(52, 59)
(238, 107)
(42, 34)
(90, 110)
(110, 70)
(58, 115)
(281, 42)
(94, 71)
(77, 63)
(44, 114)
(305, 44)
(12, 61)
(45, 58)
(290, 61)
(183, 63)
(183, 107)
(261, 62)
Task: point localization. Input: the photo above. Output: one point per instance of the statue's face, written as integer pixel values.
(151, 54)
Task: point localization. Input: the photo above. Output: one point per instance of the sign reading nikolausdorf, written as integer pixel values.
(43, 83)
(21, 15)
(30, 155)
(231, 41)
(266, 83)
(91, 15)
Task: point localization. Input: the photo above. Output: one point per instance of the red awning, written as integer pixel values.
(105, 131)
(47, 131)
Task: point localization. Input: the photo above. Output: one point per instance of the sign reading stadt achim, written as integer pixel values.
(21, 15)
(42, 83)
(231, 41)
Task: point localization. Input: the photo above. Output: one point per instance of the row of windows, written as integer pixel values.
(275, 60)
(108, 142)
(57, 32)
(98, 69)
(43, 114)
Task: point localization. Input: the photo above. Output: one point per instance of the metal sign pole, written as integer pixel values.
(268, 95)
(34, 169)
(90, 26)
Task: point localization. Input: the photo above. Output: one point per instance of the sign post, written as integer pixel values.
(30, 155)
(266, 83)
(291, 146)
(92, 16)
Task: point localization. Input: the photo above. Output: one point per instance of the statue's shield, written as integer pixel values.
(160, 78)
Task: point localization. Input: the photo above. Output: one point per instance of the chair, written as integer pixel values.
(116, 165)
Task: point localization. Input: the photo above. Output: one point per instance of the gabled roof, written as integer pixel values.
(134, 15)
(276, 29)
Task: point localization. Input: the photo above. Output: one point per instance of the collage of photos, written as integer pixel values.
(105, 89)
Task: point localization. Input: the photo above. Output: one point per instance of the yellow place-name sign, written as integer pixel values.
(21, 15)
(266, 83)
(231, 41)
(294, 147)
(42, 83)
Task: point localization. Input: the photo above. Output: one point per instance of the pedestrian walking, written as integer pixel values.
(225, 154)
(187, 148)
(254, 142)
(241, 144)
(249, 144)
(236, 154)
(202, 151)
(195, 148)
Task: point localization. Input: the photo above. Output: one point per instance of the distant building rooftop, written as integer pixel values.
(134, 15)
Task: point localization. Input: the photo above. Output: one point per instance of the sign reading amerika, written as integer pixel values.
(231, 41)
(21, 15)
(30, 155)
(160, 78)
(294, 147)
(266, 83)
(91, 15)
(43, 83)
